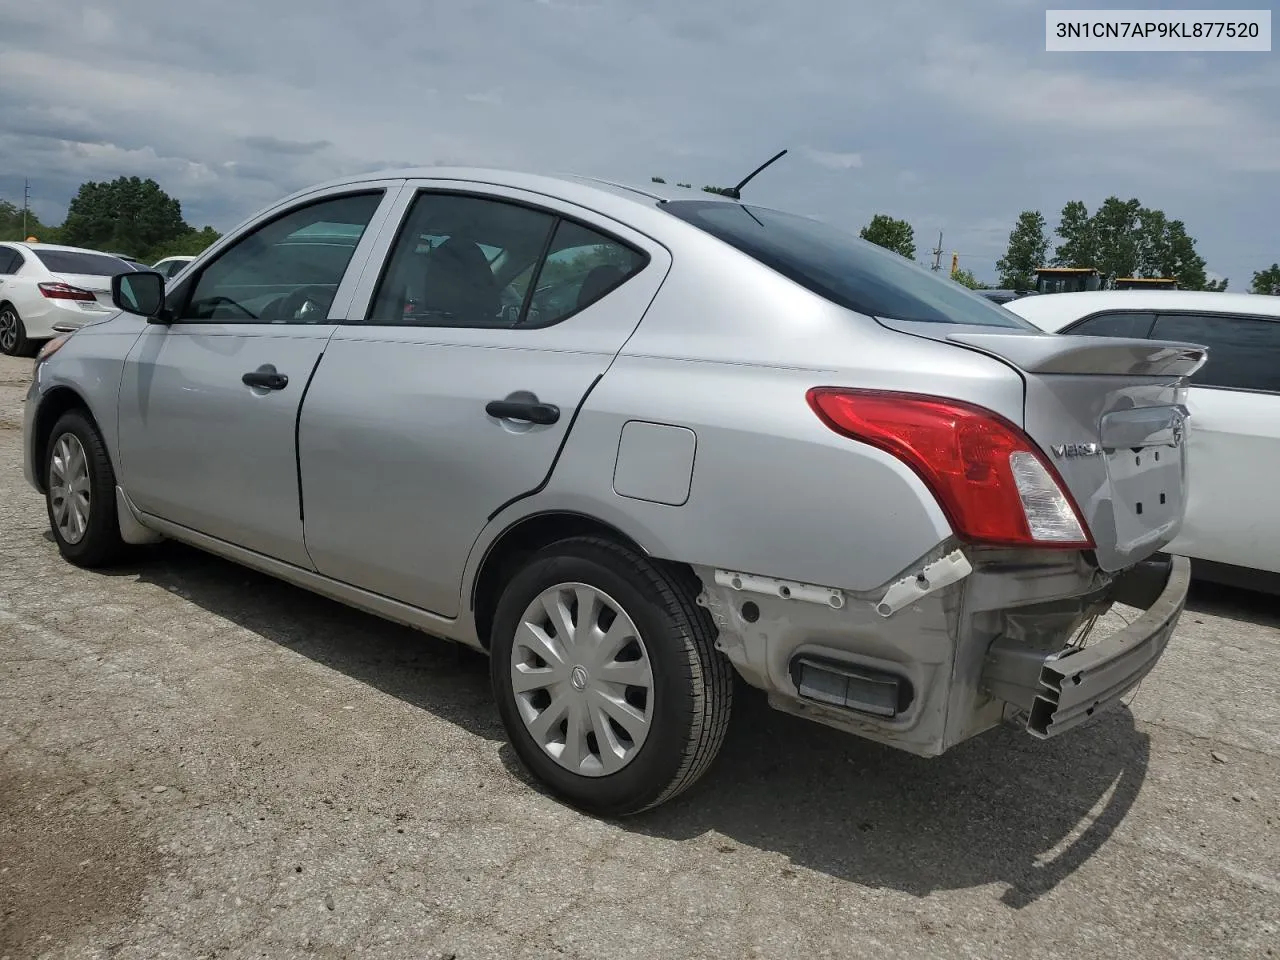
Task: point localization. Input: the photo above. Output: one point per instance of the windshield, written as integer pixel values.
(87, 264)
(844, 269)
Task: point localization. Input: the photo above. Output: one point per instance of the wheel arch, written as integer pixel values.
(519, 541)
(53, 405)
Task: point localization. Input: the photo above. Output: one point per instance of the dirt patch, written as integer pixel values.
(69, 857)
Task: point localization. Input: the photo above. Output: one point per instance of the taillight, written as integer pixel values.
(64, 291)
(990, 479)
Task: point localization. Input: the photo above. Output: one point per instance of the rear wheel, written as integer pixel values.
(13, 334)
(607, 677)
(80, 492)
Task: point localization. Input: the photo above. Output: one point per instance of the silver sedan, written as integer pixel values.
(630, 443)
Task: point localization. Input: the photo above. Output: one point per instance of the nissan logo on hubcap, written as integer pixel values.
(579, 677)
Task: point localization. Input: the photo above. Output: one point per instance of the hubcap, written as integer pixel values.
(69, 488)
(8, 330)
(582, 679)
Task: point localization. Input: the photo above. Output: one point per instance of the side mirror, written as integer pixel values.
(140, 293)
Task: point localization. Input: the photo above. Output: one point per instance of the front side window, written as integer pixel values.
(468, 261)
(1244, 352)
(286, 271)
(1136, 325)
(843, 268)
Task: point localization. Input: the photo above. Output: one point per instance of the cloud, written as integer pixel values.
(953, 117)
(835, 161)
(268, 144)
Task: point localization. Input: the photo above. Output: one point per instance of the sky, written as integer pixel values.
(949, 115)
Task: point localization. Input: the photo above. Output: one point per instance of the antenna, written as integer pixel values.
(735, 193)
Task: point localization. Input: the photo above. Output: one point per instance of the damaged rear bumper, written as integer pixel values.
(1062, 690)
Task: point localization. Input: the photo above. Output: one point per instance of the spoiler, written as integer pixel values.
(1072, 354)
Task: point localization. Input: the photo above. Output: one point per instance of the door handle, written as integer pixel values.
(530, 410)
(265, 377)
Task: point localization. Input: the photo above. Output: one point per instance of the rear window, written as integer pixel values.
(843, 268)
(89, 264)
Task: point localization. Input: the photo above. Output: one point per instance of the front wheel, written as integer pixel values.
(607, 677)
(80, 492)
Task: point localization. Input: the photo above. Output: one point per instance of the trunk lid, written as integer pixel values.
(1109, 415)
(100, 287)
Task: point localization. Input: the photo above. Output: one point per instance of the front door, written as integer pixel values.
(209, 403)
(491, 322)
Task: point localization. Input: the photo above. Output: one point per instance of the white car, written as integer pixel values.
(170, 267)
(45, 288)
(1232, 526)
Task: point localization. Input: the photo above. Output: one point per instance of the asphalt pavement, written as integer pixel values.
(198, 761)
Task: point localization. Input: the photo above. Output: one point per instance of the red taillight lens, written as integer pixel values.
(64, 291)
(988, 476)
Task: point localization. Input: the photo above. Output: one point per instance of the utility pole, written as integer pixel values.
(937, 254)
(26, 202)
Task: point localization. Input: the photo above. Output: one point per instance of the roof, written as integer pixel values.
(1053, 311)
(56, 246)
(557, 184)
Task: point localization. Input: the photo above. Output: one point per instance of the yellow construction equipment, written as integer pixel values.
(1067, 279)
(1146, 283)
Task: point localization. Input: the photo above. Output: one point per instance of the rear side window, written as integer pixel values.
(88, 264)
(1244, 352)
(10, 261)
(842, 268)
(1136, 325)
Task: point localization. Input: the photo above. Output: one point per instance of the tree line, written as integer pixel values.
(1122, 238)
(127, 215)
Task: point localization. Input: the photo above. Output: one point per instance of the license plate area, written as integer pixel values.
(1144, 455)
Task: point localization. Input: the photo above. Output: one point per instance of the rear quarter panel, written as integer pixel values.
(728, 350)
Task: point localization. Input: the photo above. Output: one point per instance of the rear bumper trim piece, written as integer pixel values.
(1065, 689)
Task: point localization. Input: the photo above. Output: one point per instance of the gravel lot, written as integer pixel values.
(198, 761)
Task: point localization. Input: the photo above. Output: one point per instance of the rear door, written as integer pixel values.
(492, 318)
(1234, 439)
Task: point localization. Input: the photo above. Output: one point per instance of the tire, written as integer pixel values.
(689, 695)
(99, 543)
(13, 333)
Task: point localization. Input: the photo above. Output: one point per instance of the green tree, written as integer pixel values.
(1154, 243)
(1216, 286)
(892, 234)
(966, 279)
(190, 244)
(127, 214)
(11, 227)
(1267, 281)
(1028, 247)
(1182, 260)
(723, 191)
(1079, 247)
(1116, 229)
